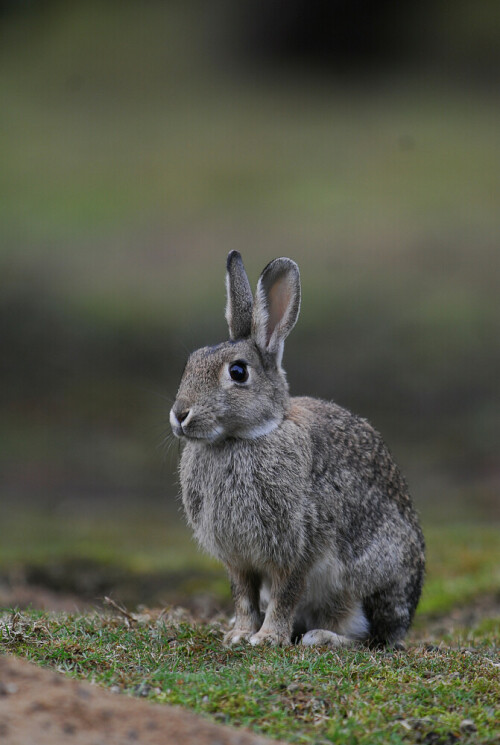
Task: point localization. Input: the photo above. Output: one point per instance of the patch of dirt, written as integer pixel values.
(37, 705)
(24, 596)
(77, 585)
(21, 596)
(468, 616)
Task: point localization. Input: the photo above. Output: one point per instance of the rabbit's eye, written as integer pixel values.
(238, 371)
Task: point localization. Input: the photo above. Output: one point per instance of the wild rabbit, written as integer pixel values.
(299, 498)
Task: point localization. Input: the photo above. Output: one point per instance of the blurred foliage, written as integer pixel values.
(142, 553)
(136, 151)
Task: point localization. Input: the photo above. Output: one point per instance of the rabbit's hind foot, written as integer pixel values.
(324, 638)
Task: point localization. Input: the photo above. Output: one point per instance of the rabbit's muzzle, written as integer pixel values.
(185, 422)
(179, 416)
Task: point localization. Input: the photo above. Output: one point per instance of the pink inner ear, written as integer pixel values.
(279, 298)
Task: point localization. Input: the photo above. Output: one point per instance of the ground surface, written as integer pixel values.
(43, 707)
(444, 689)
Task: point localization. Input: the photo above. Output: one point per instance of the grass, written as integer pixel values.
(137, 541)
(423, 694)
(463, 562)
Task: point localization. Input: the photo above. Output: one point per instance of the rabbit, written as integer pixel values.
(299, 498)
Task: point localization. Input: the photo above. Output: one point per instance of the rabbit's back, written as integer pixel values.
(354, 473)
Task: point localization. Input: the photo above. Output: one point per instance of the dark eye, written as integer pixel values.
(238, 371)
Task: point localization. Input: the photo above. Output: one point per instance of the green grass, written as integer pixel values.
(423, 694)
(301, 695)
(137, 541)
(463, 562)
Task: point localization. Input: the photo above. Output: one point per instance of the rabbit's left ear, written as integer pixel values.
(239, 298)
(276, 307)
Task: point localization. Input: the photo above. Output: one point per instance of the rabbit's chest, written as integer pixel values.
(240, 513)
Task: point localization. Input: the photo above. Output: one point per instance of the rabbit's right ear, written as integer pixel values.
(277, 305)
(239, 298)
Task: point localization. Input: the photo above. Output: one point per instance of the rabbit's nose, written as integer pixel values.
(177, 418)
(182, 415)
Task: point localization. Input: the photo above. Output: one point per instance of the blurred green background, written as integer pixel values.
(139, 143)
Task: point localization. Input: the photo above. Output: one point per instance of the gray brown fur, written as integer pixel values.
(299, 498)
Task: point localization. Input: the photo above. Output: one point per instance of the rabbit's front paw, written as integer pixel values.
(275, 638)
(237, 635)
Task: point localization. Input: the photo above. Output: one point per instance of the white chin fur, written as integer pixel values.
(260, 430)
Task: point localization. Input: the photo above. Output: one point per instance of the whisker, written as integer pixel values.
(157, 393)
(166, 442)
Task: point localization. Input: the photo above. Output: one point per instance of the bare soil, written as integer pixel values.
(43, 707)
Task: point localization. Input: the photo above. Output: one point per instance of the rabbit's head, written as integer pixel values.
(238, 388)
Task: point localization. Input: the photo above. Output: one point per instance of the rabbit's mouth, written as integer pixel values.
(183, 426)
(213, 435)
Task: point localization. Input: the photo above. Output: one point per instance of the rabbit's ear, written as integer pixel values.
(277, 305)
(239, 298)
